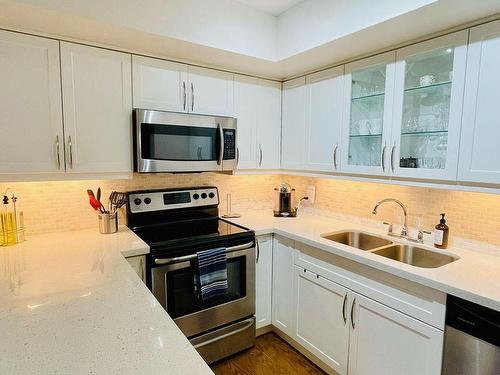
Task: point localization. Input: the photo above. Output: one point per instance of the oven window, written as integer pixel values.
(182, 143)
(183, 297)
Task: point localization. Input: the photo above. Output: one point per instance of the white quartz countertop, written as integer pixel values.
(71, 304)
(474, 277)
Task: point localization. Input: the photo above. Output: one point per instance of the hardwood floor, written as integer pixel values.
(270, 355)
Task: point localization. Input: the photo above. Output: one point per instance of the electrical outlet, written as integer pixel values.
(311, 193)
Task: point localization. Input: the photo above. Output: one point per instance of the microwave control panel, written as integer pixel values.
(229, 144)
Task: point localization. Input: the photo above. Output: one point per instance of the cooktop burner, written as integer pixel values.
(182, 220)
(174, 236)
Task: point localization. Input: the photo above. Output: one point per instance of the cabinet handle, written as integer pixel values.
(344, 305)
(237, 156)
(70, 146)
(192, 97)
(58, 153)
(392, 158)
(260, 153)
(383, 157)
(184, 94)
(352, 312)
(257, 247)
(221, 137)
(335, 156)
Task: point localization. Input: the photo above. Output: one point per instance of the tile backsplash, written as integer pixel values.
(63, 205)
(470, 215)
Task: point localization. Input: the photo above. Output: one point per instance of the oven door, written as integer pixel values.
(178, 142)
(173, 285)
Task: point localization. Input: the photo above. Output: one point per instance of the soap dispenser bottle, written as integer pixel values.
(441, 234)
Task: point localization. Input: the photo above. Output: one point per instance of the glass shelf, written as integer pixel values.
(364, 97)
(364, 135)
(439, 84)
(426, 132)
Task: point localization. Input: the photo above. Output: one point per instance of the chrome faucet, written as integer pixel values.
(404, 229)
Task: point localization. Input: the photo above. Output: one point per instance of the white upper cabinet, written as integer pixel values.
(293, 124)
(269, 125)
(170, 86)
(367, 115)
(323, 120)
(428, 108)
(246, 94)
(30, 105)
(159, 84)
(384, 341)
(210, 91)
(97, 102)
(263, 280)
(322, 323)
(257, 107)
(284, 312)
(479, 150)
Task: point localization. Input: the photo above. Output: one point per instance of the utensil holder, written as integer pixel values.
(108, 223)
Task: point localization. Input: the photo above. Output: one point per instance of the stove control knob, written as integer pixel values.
(211, 195)
(204, 195)
(137, 201)
(147, 200)
(196, 196)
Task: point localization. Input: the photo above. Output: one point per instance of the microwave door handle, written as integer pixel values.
(221, 144)
(193, 256)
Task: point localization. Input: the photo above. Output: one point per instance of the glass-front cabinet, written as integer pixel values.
(368, 98)
(429, 88)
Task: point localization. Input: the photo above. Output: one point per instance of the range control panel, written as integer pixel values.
(173, 199)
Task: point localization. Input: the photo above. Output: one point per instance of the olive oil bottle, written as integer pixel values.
(8, 223)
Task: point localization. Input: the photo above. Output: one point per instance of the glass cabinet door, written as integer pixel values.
(428, 106)
(368, 100)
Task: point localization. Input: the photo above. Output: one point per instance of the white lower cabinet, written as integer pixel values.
(322, 326)
(349, 332)
(386, 342)
(263, 280)
(283, 293)
(138, 264)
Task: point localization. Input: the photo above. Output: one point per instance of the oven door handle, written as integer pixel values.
(162, 261)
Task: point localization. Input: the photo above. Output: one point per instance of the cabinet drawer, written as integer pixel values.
(418, 301)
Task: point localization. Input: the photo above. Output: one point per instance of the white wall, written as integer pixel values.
(312, 23)
(222, 24)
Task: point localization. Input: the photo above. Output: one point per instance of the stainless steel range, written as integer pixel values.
(176, 224)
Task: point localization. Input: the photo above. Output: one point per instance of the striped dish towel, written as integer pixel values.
(212, 273)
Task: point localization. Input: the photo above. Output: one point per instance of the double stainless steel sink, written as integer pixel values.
(405, 253)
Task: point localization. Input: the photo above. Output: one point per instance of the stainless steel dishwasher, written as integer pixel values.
(472, 339)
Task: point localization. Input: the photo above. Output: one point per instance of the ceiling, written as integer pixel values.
(274, 7)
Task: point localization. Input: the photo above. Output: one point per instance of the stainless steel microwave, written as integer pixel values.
(181, 142)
